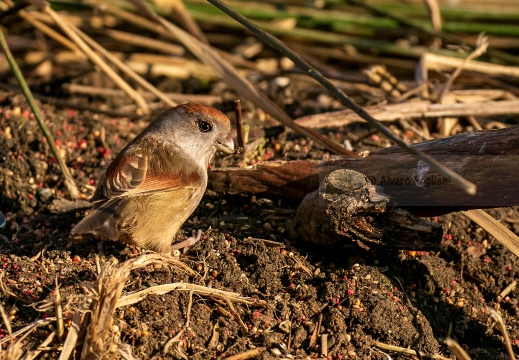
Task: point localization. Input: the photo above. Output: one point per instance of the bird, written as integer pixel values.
(157, 181)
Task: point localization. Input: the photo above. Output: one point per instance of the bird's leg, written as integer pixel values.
(190, 241)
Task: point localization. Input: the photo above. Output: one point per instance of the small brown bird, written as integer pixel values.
(156, 182)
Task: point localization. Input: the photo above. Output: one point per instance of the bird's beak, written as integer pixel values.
(226, 146)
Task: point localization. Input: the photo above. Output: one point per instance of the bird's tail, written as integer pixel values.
(103, 221)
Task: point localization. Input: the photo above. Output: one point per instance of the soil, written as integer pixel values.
(299, 292)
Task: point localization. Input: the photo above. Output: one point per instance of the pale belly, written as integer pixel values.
(152, 221)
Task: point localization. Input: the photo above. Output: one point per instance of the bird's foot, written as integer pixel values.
(190, 241)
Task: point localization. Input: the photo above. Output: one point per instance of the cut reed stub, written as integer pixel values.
(347, 208)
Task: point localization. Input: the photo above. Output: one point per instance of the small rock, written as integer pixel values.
(45, 194)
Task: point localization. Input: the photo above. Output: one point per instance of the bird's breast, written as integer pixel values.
(153, 220)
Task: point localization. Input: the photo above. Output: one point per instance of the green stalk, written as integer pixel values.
(69, 180)
(329, 38)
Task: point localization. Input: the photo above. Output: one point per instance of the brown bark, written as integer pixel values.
(348, 209)
(487, 158)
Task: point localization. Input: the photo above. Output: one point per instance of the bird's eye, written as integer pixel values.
(205, 126)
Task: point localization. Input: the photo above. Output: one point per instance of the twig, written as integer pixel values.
(239, 125)
(412, 110)
(507, 290)
(68, 179)
(189, 305)
(145, 42)
(506, 338)
(315, 333)
(434, 14)
(59, 312)
(480, 50)
(269, 243)
(172, 340)
(447, 63)
(247, 354)
(469, 187)
(165, 288)
(236, 316)
(474, 122)
(402, 350)
(324, 345)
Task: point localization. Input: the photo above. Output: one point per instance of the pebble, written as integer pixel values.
(45, 194)
(17, 111)
(7, 133)
(285, 326)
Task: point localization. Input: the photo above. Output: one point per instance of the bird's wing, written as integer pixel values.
(129, 175)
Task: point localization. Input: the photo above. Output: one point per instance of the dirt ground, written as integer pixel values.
(299, 292)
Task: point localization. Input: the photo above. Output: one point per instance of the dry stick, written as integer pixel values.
(480, 50)
(446, 63)
(247, 354)
(172, 340)
(59, 313)
(434, 13)
(239, 125)
(410, 110)
(507, 290)
(68, 179)
(189, 305)
(145, 42)
(96, 59)
(123, 67)
(469, 187)
(229, 74)
(402, 350)
(315, 333)
(506, 338)
(166, 288)
(236, 316)
(324, 345)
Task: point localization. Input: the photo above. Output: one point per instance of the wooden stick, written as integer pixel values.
(485, 157)
(411, 110)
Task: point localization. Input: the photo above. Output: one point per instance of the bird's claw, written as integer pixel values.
(190, 241)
